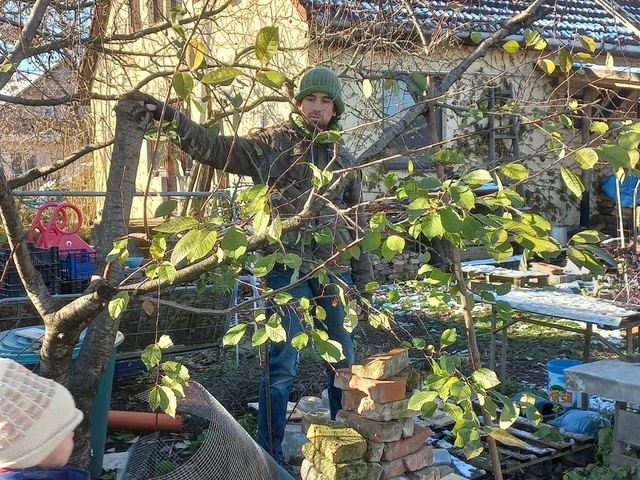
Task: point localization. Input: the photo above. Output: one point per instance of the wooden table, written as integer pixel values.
(589, 311)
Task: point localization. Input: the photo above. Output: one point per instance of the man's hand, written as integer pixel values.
(151, 104)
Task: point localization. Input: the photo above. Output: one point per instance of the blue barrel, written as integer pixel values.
(23, 344)
(557, 386)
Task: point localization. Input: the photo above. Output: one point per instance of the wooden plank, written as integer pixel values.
(525, 424)
(562, 446)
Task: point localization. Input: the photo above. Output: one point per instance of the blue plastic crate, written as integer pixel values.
(45, 260)
(77, 264)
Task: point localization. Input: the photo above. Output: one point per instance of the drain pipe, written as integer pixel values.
(143, 421)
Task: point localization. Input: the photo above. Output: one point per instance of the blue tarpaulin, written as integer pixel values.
(626, 189)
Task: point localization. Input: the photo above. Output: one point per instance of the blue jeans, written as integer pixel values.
(283, 358)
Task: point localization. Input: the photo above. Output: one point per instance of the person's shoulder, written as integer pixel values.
(347, 158)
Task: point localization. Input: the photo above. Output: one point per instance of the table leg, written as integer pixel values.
(503, 361)
(492, 340)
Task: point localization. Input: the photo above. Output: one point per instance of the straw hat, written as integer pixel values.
(36, 415)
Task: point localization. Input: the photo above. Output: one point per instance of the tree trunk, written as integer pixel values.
(90, 365)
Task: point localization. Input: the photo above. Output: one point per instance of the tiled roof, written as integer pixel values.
(565, 21)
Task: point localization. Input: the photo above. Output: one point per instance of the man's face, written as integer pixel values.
(318, 109)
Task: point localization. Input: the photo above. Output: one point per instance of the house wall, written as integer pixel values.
(533, 91)
(229, 32)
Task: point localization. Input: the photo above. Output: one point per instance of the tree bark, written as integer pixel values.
(131, 122)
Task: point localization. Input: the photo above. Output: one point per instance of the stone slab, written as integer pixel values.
(613, 379)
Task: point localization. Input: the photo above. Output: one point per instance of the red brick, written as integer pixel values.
(370, 429)
(381, 391)
(423, 457)
(351, 399)
(383, 365)
(406, 446)
(392, 469)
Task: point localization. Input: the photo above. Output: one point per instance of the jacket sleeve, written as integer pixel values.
(242, 156)
(361, 268)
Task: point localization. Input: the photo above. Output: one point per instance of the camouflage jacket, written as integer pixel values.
(281, 157)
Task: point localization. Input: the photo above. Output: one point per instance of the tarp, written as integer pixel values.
(626, 189)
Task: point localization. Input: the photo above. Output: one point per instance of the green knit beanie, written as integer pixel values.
(322, 80)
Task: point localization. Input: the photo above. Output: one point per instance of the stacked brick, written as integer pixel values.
(374, 436)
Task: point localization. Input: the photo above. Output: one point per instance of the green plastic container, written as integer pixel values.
(22, 345)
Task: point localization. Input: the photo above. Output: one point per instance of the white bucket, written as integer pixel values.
(559, 232)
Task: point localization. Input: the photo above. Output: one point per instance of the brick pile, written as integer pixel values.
(374, 436)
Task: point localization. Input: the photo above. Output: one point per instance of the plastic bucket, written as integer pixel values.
(23, 344)
(556, 384)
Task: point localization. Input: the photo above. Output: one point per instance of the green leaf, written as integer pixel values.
(234, 335)
(472, 449)
(506, 438)
(259, 337)
(477, 178)
(267, 42)
(187, 244)
(599, 128)
(432, 226)
(565, 60)
(271, 78)
(371, 241)
(515, 171)
(221, 76)
(450, 219)
(585, 158)
(276, 333)
(151, 356)
(419, 81)
(166, 208)
(392, 246)
(588, 43)
(587, 236)
(154, 398)
(582, 257)
(118, 304)
(282, 298)
(608, 63)
(454, 412)
(476, 37)
(418, 399)
(234, 243)
(367, 88)
(390, 180)
(168, 401)
(183, 84)
(447, 157)
(617, 156)
(509, 414)
(572, 181)
(207, 242)
(511, 46)
(448, 337)
(194, 55)
(176, 224)
(330, 350)
(167, 272)
(463, 197)
(165, 342)
(300, 341)
(485, 378)
(264, 265)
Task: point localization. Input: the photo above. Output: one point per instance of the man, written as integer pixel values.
(282, 158)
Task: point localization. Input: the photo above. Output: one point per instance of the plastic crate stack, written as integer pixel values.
(76, 268)
(45, 260)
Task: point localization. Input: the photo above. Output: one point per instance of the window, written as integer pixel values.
(397, 98)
